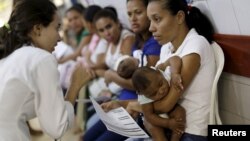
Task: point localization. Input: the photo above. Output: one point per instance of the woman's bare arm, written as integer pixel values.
(85, 41)
(126, 46)
(100, 63)
(152, 60)
(112, 76)
(190, 66)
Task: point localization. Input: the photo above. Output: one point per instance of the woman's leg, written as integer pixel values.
(92, 121)
(99, 132)
(110, 136)
(190, 137)
(95, 131)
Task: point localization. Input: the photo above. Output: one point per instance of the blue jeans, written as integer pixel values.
(92, 121)
(99, 132)
(190, 137)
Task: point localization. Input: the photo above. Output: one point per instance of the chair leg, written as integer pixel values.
(217, 115)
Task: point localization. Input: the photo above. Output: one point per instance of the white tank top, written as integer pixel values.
(112, 58)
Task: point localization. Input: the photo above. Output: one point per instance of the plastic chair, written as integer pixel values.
(214, 109)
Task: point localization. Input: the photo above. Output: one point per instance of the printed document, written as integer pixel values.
(119, 121)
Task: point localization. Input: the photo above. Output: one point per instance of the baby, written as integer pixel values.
(153, 85)
(126, 65)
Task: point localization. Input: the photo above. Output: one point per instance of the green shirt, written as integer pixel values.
(79, 37)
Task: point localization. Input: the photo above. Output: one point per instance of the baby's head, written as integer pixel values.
(126, 66)
(150, 82)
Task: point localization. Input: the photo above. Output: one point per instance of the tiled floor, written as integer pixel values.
(69, 136)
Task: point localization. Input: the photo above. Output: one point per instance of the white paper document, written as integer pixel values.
(119, 121)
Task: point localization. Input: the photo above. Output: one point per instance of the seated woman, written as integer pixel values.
(88, 19)
(119, 43)
(91, 55)
(75, 34)
(150, 50)
(85, 52)
(186, 32)
(29, 85)
(119, 40)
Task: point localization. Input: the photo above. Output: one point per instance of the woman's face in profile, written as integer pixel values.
(108, 29)
(47, 37)
(137, 13)
(163, 25)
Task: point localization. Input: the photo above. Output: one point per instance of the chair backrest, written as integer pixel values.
(219, 60)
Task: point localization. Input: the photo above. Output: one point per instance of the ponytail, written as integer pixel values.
(3, 36)
(112, 9)
(24, 16)
(8, 41)
(107, 12)
(199, 21)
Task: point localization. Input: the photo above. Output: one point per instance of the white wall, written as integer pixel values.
(228, 16)
(5, 11)
(120, 6)
(231, 17)
(234, 96)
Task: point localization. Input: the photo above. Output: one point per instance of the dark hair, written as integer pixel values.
(126, 70)
(24, 16)
(79, 8)
(140, 77)
(106, 13)
(193, 17)
(112, 9)
(145, 2)
(90, 12)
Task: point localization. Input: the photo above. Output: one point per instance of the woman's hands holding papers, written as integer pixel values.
(107, 106)
(133, 108)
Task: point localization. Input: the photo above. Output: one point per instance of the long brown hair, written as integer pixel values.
(25, 14)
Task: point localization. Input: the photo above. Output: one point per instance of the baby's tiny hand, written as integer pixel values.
(176, 124)
(161, 67)
(176, 80)
(107, 106)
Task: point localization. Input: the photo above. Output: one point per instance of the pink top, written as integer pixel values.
(91, 46)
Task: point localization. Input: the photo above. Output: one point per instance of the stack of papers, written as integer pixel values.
(119, 121)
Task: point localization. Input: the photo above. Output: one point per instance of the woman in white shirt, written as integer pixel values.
(29, 83)
(188, 33)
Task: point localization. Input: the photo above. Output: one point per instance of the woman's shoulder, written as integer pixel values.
(85, 32)
(29, 58)
(195, 39)
(198, 43)
(195, 43)
(125, 33)
(34, 54)
(33, 51)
